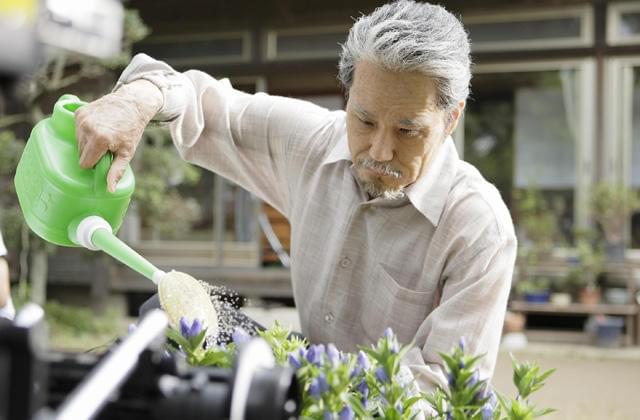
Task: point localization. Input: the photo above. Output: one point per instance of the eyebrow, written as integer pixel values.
(412, 123)
(364, 114)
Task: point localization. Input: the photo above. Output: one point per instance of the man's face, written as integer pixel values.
(394, 127)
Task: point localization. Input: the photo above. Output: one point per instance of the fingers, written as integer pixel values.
(91, 154)
(118, 166)
(91, 146)
(111, 123)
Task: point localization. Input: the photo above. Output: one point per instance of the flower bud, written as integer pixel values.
(333, 354)
(381, 374)
(293, 360)
(346, 413)
(388, 333)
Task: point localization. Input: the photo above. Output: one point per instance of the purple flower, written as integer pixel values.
(462, 364)
(394, 346)
(363, 388)
(362, 364)
(132, 328)
(475, 377)
(240, 336)
(493, 400)
(324, 385)
(482, 393)
(487, 412)
(388, 333)
(381, 374)
(451, 379)
(314, 388)
(327, 415)
(190, 331)
(462, 343)
(318, 386)
(302, 352)
(294, 362)
(333, 354)
(196, 327)
(314, 355)
(184, 326)
(346, 413)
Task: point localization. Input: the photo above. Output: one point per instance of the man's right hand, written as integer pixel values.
(115, 123)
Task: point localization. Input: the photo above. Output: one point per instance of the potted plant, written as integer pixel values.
(534, 290)
(587, 265)
(536, 222)
(561, 292)
(611, 206)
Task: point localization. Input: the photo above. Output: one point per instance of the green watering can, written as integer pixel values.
(69, 205)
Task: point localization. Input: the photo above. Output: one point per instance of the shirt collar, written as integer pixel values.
(340, 151)
(429, 193)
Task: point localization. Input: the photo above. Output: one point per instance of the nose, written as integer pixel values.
(382, 148)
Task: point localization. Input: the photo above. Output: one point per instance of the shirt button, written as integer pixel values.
(345, 262)
(328, 317)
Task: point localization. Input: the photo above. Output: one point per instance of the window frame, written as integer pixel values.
(618, 115)
(584, 13)
(585, 152)
(270, 37)
(244, 36)
(614, 13)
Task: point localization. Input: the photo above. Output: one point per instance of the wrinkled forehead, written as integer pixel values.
(375, 85)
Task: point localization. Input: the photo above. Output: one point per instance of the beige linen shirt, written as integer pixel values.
(434, 266)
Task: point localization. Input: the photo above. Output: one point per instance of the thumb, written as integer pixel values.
(118, 166)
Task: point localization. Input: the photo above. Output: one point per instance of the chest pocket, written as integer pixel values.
(388, 304)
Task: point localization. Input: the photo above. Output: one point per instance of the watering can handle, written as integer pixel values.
(100, 173)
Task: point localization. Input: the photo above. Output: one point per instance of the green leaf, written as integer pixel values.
(198, 340)
(358, 408)
(543, 412)
(178, 339)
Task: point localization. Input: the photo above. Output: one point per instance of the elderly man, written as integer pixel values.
(389, 227)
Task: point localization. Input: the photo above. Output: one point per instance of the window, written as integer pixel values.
(527, 125)
(622, 151)
(557, 28)
(623, 23)
(305, 43)
(199, 49)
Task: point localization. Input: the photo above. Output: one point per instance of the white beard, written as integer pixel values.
(375, 190)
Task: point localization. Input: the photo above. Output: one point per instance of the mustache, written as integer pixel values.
(384, 167)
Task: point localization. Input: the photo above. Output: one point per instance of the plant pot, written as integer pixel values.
(541, 296)
(615, 252)
(616, 295)
(561, 299)
(590, 296)
(606, 331)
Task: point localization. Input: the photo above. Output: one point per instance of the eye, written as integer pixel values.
(408, 132)
(366, 123)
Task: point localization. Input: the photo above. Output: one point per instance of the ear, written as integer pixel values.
(455, 117)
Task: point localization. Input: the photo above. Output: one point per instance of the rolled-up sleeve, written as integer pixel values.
(257, 141)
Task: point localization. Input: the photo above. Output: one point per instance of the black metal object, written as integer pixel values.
(35, 384)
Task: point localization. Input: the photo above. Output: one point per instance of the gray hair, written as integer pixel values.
(410, 36)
